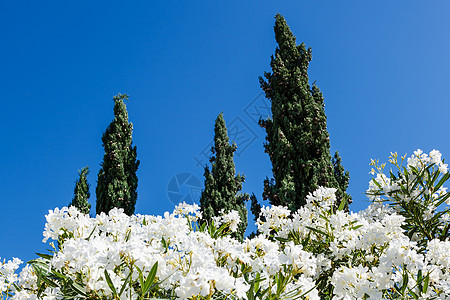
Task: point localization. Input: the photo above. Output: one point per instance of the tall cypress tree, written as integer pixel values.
(81, 192)
(222, 185)
(297, 139)
(117, 180)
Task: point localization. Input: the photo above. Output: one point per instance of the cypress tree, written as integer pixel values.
(117, 180)
(222, 185)
(81, 193)
(297, 139)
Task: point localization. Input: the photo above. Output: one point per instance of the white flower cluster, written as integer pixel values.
(317, 252)
(7, 274)
(231, 218)
(420, 159)
(189, 211)
(382, 185)
(190, 263)
(381, 182)
(373, 252)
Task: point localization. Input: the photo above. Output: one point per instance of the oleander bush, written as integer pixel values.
(397, 248)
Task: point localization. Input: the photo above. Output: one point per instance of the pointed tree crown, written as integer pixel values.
(81, 192)
(222, 185)
(117, 180)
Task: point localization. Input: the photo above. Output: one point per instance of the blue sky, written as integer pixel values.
(383, 66)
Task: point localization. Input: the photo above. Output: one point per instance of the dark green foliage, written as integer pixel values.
(81, 193)
(222, 185)
(342, 176)
(297, 139)
(255, 207)
(117, 180)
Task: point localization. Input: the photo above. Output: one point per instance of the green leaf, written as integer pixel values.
(413, 294)
(202, 227)
(141, 277)
(405, 282)
(79, 289)
(110, 283)
(58, 274)
(44, 256)
(164, 244)
(426, 281)
(317, 230)
(324, 218)
(39, 283)
(419, 279)
(342, 205)
(445, 197)
(49, 282)
(251, 291)
(376, 183)
(17, 287)
(92, 232)
(281, 239)
(150, 279)
(435, 177)
(127, 237)
(257, 280)
(443, 179)
(125, 283)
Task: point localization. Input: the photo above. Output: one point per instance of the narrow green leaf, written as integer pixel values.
(150, 279)
(281, 239)
(141, 277)
(45, 256)
(444, 178)
(405, 283)
(317, 230)
(435, 177)
(257, 280)
(49, 282)
(202, 227)
(165, 245)
(251, 291)
(376, 183)
(220, 230)
(413, 294)
(442, 200)
(426, 281)
(79, 289)
(125, 283)
(92, 232)
(342, 205)
(324, 218)
(110, 283)
(17, 287)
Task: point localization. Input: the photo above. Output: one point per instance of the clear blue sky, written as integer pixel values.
(383, 66)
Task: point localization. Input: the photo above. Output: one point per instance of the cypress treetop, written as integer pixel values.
(117, 180)
(81, 192)
(222, 185)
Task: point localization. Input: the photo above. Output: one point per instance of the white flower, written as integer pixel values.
(7, 274)
(191, 211)
(231, 218)
(435, 157)
(443, 168)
